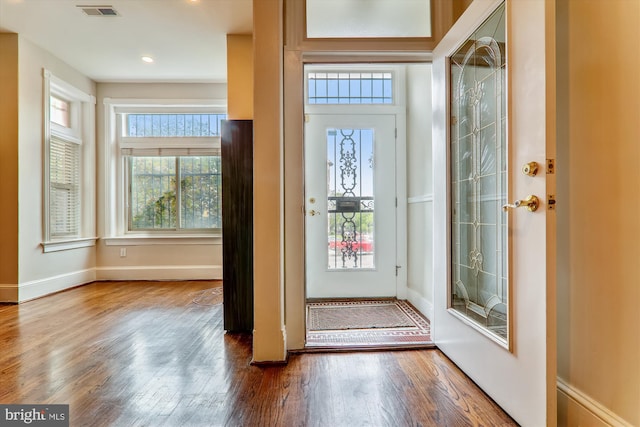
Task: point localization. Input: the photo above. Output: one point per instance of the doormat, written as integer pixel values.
(353, 324)
(361, 315)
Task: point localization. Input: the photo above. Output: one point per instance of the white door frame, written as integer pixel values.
(398, 108)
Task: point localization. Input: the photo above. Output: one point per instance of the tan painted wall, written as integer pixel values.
(52, 266)
(239, 76)
(598, 226)
(459, 6)
(26, 272)
(9, 165)
(151, 261)
(269, 340)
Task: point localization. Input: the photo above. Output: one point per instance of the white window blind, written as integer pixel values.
(64, 187)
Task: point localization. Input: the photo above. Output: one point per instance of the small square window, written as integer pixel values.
(60, 112)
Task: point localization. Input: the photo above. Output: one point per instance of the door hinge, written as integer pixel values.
(396, 202)
(396, 133)
(307, 118)
(398, 267)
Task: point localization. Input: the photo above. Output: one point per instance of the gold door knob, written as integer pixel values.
(531, 202)
(530, 169)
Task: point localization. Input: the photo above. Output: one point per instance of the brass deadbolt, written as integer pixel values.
(530, 169)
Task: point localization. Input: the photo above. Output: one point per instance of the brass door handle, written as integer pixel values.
(531, 202)
(314, 212)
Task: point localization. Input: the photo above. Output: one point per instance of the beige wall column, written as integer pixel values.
(269, 336)
(598, 227)
(239, 76)
(9, 167)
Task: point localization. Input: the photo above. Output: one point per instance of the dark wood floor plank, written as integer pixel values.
(144, 354)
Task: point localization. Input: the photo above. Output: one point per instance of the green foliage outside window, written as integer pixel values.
(155, 198)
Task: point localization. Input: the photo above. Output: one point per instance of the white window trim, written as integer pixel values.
(398, 75)
(82, 118)
(154, 239)
(115, 218)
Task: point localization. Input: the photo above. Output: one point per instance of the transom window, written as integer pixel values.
(172, 170)
(368, 18)
(178, 125)
(60, 112)
(350, 88)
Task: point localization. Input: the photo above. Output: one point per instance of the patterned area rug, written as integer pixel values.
(322, 317)
(366, 324)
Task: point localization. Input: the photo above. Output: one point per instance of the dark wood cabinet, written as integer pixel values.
(237, 224)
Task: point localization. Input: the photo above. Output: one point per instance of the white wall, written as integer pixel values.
(152, 261)
(41, 273)
(598, 227)
(419, 189)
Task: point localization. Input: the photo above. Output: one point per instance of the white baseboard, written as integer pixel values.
(421, 303)
(160, 272)
(41, 287)
(14, 293)
(598, 413)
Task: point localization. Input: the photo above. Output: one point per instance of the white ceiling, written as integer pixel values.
(186, 38)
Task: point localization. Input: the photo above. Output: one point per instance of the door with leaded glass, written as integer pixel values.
(494, 209)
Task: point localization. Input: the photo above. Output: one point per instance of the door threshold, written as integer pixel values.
(355, 348)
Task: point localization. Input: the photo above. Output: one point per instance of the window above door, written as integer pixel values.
(368, 18)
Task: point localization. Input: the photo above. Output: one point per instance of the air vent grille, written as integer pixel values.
(98, 10)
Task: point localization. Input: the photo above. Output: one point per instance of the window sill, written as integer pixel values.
(63, 245)
(147, 240)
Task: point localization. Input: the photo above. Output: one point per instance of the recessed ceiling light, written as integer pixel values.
(147, 59)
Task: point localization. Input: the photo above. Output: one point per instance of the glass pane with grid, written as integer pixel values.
(200, 192)
(153, 193)
(173, 125)
(350, 88)
(155, 197)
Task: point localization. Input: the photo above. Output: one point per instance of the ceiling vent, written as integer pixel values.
(98, 10)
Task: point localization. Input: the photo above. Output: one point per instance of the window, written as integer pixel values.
(64, 187)
(368, 18)
(349, 88)
(68, 144)
(171, 170)
(60, 112)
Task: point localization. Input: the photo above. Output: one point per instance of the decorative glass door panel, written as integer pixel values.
(350, 223)
(494, 272)
(479, 289)
(350, 198)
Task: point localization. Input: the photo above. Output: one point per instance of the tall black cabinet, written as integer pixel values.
(237, 224)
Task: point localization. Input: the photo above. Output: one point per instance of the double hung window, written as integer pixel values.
(171, 170)
(68, 148)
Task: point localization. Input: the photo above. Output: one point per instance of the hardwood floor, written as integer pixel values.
(144, 354)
